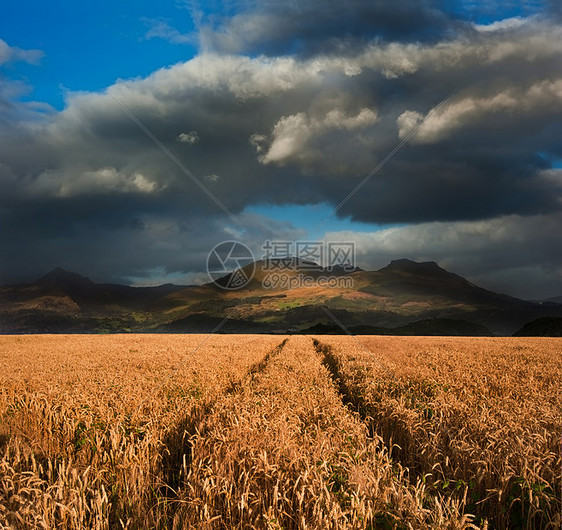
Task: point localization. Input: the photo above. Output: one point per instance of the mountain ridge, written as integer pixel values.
(404, 296)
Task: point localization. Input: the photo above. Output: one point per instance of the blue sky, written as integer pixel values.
(89, 45)
(285, 104)
(315, 217)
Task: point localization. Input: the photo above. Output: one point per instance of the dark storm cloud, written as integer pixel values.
(114, 239)
(479, 156)
(311, 27)
(89, 186)
(453, 188)
(265, 126)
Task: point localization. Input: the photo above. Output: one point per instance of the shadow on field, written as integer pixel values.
(177, 451)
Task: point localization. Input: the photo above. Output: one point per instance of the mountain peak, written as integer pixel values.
(58, 272)
(61, 278)
(407, 265)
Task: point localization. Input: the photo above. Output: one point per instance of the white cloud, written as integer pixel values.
(14, 54)
(248, 28)
(407, 122)
(73, 183)
(243, 77)
(527, 43)
(500, 25)
(545, 96)
(293, 136)
(189, 138)
(162, 30)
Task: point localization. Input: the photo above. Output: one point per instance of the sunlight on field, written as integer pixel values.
(476, 416)
(241, 431)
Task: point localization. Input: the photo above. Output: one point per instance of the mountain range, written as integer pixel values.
(405, 297)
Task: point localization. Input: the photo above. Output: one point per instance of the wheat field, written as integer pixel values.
(254, 431)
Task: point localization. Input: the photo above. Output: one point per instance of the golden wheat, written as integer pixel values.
(88, 423)
(281, 451)
(476, 418)
(246, 431)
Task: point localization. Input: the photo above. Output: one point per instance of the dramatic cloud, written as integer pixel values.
(104, 180)
(294, 105)
(314, 27)
(539, 99)
(293, 138)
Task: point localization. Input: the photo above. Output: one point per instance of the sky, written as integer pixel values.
(135, 136)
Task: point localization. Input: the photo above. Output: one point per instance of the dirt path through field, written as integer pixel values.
(281, 450)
